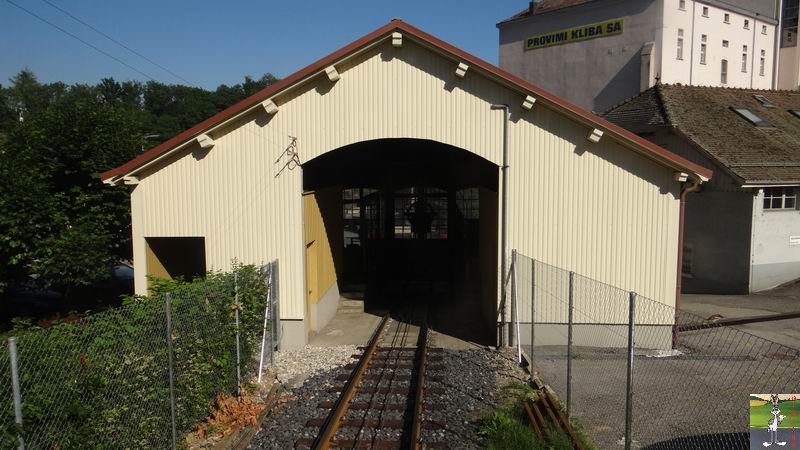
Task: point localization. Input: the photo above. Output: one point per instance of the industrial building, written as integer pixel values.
(597, 53)
(407, 168)
(742, 230)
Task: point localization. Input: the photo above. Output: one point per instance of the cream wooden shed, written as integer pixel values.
(383, 164)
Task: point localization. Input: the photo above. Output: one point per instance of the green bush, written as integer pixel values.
(102, 382)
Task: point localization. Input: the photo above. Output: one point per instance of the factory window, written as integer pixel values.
(705, 11)
(780, 198)
(703, 49)
(725, 43)
(680, 43)
(761, 63)
(746, 24)
(763, 29)
(682, 5)
(764, 101)
(744, 59)
(751, 117)
(727, 18)
(723, 71)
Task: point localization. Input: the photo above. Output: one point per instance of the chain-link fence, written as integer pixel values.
(141, 375)
(617, 360)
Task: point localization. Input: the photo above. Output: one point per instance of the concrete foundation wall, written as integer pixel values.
(324, 309)
(294, 334)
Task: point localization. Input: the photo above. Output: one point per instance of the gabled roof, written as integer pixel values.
(513, 82)
(756, 155)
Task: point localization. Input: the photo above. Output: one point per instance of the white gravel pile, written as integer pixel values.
(306, 374)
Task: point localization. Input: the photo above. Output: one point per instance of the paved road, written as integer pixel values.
(781, 300)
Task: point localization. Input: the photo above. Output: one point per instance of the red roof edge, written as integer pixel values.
(647, 146)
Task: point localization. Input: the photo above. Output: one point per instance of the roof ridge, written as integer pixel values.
(523, 87)
(728, 88)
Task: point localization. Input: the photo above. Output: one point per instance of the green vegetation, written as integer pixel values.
(507, 427)
(102, 381)
(59, 225)
(761, 415)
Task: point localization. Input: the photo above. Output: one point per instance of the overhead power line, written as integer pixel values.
(95, 48)
(101, 33)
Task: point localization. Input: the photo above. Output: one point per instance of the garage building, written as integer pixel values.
(382, 167)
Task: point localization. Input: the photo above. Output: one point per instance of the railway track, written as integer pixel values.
(385, 399)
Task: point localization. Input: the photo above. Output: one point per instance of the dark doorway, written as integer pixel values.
(418, 225)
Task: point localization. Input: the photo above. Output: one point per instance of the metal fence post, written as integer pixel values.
(272, 322)
(512, 338)
(236, 320)
(569, 340)
(15, 390)
(533, 307)
(629, 383)
(168, 308)
(266, 317)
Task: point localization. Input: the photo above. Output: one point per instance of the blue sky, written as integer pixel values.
(209, 44)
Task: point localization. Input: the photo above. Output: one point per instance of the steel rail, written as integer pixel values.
(324, 439)
(419, 394)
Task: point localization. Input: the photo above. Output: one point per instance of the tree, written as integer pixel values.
(59, 225)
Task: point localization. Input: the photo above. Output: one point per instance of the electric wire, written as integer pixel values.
(101, 33)
(95, 48)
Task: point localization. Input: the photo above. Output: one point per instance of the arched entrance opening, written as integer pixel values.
(404, 221)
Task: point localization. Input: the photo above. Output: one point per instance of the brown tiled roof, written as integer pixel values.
(613, 131)
(544, 6)
(703, 114)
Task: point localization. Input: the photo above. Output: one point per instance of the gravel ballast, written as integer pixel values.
(471, 379)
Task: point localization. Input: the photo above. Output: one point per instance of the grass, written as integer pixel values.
(507, 428)
(761, 414)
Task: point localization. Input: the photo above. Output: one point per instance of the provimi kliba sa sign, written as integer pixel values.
(581, 33)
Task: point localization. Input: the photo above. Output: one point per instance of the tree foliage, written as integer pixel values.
(59, 225)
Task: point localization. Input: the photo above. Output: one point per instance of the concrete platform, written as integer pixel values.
(352, 325)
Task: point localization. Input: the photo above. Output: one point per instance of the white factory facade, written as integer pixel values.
(597, 53)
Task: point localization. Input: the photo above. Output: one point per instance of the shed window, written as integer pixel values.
(763, 29)
(780, 198)
(682, 5)
(727, 18)
(176, 258)
(751, 117)
(746, 24)
(705, 11)
(725, 43)
(420, 213)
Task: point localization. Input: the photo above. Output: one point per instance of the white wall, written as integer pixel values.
(691, 71)
(774, 260)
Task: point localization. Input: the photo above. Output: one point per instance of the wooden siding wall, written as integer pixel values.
(598, 209)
